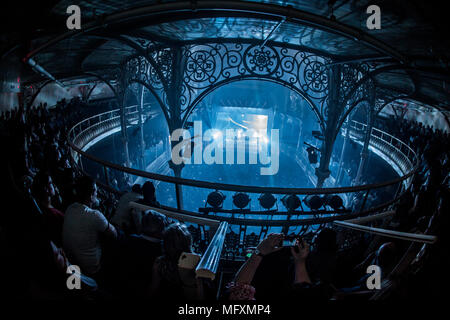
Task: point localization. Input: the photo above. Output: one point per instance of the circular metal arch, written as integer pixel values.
(35, 95)
(106, 82)
(152, 91)
(390, 101)
(285, 84)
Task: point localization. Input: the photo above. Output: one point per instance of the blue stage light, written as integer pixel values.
(291, 202)
(314, 202)
(215, 199)
(267, 200)
(241, 200)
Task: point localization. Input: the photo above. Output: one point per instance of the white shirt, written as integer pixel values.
(81, 230)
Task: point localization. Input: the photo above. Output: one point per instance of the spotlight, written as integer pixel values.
(314, 202)
(291, 202)
(264, 139)
(215, 199)
(267, 200)
(216, 135)
(313, 153)
(241, 200)
(334, 201)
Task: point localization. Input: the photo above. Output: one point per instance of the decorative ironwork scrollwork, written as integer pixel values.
(208, 65)
(261, 60)
(201, 66)
(204, 67)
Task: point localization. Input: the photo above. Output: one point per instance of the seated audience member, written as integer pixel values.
(135, 254)
(67, 188)
(403, 206)
(384, 257)
(125, 217)
(49, 279)
(149, 199)
(242, 289)
(168, 280)
(43, 190)
(321, 262)
(83, 227)
(148, 191)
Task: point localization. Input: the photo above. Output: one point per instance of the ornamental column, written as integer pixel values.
(334, 111)
(141, 130)
(174, 102)
(368, 133)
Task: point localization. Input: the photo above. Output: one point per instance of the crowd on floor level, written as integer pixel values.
(59, 219)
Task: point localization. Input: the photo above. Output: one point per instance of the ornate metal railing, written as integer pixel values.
(90, 130)
(397, 153)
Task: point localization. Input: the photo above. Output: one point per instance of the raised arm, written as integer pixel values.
(270, 244)
(300, 255)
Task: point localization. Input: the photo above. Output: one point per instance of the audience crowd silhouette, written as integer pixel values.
(60, 218)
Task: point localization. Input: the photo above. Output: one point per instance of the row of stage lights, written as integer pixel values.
(267, 201)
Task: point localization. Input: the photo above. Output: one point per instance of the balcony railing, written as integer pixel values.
(394, 151)
(93, 129)
(404, 157)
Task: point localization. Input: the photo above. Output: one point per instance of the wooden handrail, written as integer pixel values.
(414, 237)
(177, 215)
(209, 263)
(371, 218)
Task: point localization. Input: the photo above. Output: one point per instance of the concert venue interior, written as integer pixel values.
(218, 151)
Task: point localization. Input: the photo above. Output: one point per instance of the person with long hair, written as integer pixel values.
(168, 280)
